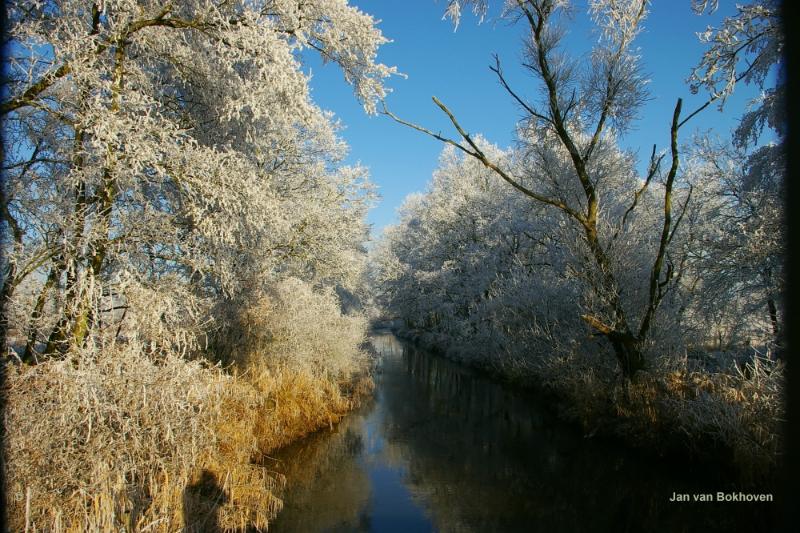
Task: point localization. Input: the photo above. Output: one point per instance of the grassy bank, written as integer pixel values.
(731, 417)
(123, 442)
(119, 437)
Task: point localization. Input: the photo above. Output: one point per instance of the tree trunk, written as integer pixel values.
(6, 293)
(57, 341)
(36, 315)
(766, 276)
(773, 317)
(629, 355)
(627, 348)
(85, 318)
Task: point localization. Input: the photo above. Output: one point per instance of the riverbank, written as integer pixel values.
(125, 442)
(126, 436)
(724, 419)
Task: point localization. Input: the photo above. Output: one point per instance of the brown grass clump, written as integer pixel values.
(123, 439)
(103, 441)
(292, 403)
(743, 411)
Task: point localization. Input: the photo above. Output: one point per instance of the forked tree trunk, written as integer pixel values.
(629, 354)
(557, 115)
(627, 348)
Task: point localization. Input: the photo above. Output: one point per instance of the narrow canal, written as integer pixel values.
(442, 448)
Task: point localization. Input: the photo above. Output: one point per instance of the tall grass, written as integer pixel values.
(125, 439)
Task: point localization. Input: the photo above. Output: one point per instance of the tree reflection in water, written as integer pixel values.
(442, 448)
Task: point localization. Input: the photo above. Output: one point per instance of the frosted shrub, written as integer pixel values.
(296, 326)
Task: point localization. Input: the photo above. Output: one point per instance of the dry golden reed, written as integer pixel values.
(740, 410)
(120, 439)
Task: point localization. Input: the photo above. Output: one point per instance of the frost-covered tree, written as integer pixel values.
(583, 106)
(747, 47)
(746, 256)
(636, 252)
(161, 158)
(472, 260)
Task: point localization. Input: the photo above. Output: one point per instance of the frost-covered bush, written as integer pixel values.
(295, 326)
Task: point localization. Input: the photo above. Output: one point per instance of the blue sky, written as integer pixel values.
(453, 65)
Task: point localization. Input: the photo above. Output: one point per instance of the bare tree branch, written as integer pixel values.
(683, 212)
(478, 154)
(497, 69)
(655, 273)
(655, 163)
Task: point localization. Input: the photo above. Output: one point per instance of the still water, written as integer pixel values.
(441, 448)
